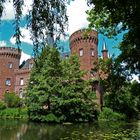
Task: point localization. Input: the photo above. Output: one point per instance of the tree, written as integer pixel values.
(120, 95)
(57, 92)
(112, 17)
(124, 100)
(44, 84)
(47, 20)
(78, 102)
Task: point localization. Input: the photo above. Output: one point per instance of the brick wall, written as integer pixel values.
(80, 42)
(9, 61)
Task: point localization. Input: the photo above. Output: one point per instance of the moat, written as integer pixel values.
(23, 130)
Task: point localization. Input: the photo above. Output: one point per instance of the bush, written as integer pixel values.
(109, 114)
(2, 105)
(14, 113)
(12, 100)
(50, 118)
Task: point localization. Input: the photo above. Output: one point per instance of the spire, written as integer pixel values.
(104, 50)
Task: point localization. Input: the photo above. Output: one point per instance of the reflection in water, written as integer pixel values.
(19, 130)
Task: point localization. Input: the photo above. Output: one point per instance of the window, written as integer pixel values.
(21, 81)
(81, 52)
(8, 82)
(10, 65)
(92, 52)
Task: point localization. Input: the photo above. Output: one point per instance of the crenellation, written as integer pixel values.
(10, 52)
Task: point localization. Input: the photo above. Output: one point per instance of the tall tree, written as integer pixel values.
(57, 92)
(78, 100)
(44, 84)
(112, 17)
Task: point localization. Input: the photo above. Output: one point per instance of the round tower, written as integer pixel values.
(9, 61)
(85, 45)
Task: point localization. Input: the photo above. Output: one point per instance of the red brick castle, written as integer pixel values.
(14, 78)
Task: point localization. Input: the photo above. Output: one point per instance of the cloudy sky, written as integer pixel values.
(77, 20)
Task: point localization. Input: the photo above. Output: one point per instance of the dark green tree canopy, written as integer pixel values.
(111, 17)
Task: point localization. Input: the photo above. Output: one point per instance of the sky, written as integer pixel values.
(77, 20)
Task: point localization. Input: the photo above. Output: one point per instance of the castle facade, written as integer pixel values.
(14, 78)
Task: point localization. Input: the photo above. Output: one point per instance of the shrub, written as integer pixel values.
(12, 100)
(2, 105)
(14, 113)
(50, 118)
(109, 114)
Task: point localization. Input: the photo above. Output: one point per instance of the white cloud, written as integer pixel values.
(24, 56)
(27, 6)
(26, 37)
(75, 11)
(77, 16)
(8, 12)
(13, 40)
(3, 43)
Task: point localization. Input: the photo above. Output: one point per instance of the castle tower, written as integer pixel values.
(9, 61)
(85, 46)
(104, 51)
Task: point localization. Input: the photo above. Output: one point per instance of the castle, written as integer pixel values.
(14, 77)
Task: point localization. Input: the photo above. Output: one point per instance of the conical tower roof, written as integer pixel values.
(104, 47)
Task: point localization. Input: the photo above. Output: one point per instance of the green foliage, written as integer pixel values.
(76, 93)
(57, 92)
(110, 115)
(120, 94)
(112, 17)
(44, 83)
(14, 113)
(50, 118)
(12, 100)
(124, 100)
(2, 105)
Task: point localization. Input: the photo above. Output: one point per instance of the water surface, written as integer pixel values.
(23, 130)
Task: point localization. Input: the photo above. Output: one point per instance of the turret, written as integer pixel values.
(9, 61)
(85, 46)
